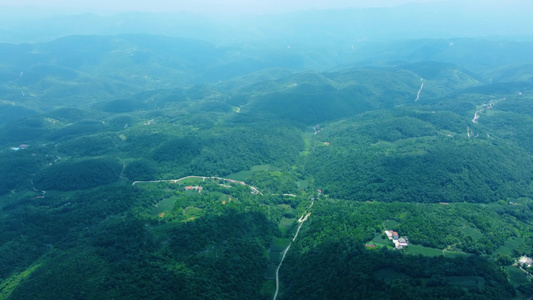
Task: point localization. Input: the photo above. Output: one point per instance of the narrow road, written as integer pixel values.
(254, 189)
(421, 86)
(302, 219)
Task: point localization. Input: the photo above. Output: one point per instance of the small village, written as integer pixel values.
(399, 242)
(524, 263)
(20, 147)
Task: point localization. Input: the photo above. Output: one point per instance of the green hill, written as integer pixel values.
(140, 167)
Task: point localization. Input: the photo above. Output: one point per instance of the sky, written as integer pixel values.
(33, 20)
(203, 6)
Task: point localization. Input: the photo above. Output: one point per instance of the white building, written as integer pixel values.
(527, 261)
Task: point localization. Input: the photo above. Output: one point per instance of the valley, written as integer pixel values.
(145, 166)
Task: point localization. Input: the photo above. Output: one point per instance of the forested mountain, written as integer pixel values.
(146, 166)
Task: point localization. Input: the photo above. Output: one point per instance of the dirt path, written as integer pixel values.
(421, 86)
(302, 219)
(252, 188)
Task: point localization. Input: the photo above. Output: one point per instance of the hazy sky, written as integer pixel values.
(225, 7)
(20, 19)
(203, 6)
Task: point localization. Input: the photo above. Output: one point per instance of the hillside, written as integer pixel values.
(138, 166)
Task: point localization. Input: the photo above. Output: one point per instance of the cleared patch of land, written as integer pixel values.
(390, 224)
(426, 251)
(474, 233)
(164, 206)
(279, 244)
(285, 224)
(516, 276)
(509, 245)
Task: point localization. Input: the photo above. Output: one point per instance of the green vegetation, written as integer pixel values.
(83, 174)
(94, 203)
(421, 250)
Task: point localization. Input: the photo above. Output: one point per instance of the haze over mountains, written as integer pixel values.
(305, 25)
(189, 154)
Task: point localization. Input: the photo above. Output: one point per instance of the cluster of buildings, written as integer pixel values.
(193, 188)
(398, 241)
(20, 147)
(525, 261)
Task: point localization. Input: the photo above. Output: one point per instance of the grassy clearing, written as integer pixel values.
(8, 285)
(192, 211)
(286, 224)
(451, 254)
(286, 207)
(302, 185)
(509, 245)
(474, 233)
(268, 289)
(225, 199)
(516, 276)
(275, 257)
(164, 206)
(191, 181)
(426, 251)
(279, 244)
(390, 224)
(240, 176)
(379, 241)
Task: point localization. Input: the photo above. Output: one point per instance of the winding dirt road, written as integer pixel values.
(254, 189)
(302, 219)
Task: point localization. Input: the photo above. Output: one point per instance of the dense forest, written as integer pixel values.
(139, 166)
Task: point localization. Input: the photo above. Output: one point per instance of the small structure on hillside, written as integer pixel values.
(20, 147)
(402, 242)
(193, 188)
(527, 261)
(399, 242)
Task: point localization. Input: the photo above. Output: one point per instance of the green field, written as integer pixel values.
(275, 257)
(279, 244)
(474, 233)
(164, 206)
(390, 224)
(286, 224)
(516, 276)
(225, 199)
(302, 184)
(191, 181)
(509, 245)
(240, 176)
(426, 251)
(379, 241)
(451, 254)
(192, 212)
